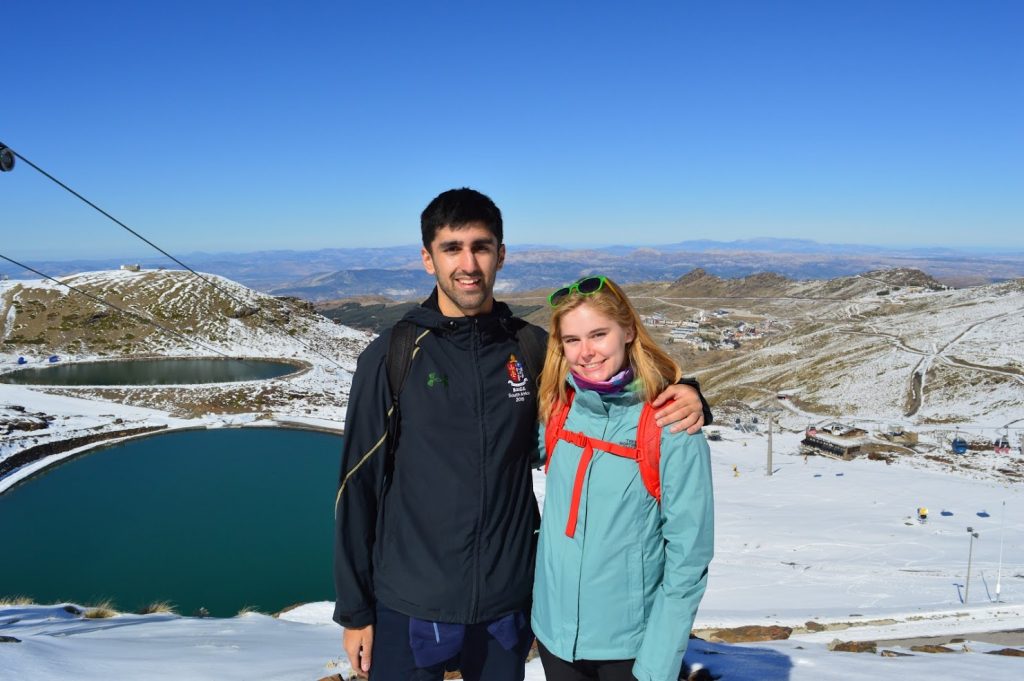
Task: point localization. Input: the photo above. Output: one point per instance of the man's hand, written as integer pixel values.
(685, 413)
(358, 643)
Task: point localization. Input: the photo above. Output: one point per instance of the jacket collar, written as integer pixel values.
(428, 315)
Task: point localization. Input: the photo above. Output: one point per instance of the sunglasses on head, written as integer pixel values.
(584, 287)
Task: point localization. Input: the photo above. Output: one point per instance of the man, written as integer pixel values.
(435, 534)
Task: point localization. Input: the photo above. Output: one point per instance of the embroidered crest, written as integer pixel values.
(516, 373)
(517, 379)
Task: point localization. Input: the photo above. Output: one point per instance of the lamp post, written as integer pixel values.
(773, 411)
(970, 555)
(999, 570)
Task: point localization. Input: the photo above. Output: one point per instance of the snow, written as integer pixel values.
(835, 542)
(856, 357)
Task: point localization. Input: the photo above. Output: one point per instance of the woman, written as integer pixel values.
(619, 574)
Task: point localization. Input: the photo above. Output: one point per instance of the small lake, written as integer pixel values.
(220, 519)
(150, 372)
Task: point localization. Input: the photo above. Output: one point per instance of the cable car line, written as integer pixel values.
(122, 225)
(123, 311)
(6, 153)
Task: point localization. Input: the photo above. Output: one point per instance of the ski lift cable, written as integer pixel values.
(123, 311)
(122, 225)
(150, 243)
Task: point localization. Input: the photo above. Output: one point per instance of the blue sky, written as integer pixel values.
(270, 125)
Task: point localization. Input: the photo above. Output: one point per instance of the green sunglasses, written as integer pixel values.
(585, 287)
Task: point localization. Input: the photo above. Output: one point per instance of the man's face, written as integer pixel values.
(465, 262)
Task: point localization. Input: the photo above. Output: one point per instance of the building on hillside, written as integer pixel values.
(834, 440)
(132, 268)
(902, 437)
(822, 444)
(677, 334)
(841, 429)
(656, 319)
(684, 332)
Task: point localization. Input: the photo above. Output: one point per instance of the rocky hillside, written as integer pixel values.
(888, 345)
(168, 313)
(176, 314)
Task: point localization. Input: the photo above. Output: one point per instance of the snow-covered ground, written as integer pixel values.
(922, 358)
(837, 544)
(824, 541)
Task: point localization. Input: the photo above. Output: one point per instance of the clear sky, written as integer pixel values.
(263, 125)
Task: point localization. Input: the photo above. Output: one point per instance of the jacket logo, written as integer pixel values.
(517, 379)
(516, 373)
(435, 378)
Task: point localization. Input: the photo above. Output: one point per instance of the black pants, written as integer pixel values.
(482, 657)
(557, 669)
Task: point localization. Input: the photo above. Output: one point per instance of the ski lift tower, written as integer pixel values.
(970, 554)
(773, 411)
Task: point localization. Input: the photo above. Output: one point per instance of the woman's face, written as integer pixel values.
(594, 344)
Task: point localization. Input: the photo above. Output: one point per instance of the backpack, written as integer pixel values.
(403, 345)
(647, 452)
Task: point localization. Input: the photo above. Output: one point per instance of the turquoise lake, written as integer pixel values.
(214, 519)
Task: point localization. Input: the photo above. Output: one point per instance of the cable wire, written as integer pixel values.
(123, 311)
(123, 226)
(209, 281)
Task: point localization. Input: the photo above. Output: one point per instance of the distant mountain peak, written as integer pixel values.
(697, 274)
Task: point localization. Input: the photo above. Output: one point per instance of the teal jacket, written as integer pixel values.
(628, 584)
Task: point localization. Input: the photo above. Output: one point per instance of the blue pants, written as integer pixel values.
(482, 657)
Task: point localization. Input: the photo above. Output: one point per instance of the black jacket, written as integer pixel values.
(446, 530)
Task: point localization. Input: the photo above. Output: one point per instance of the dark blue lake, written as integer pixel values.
(219, 519)
(150, 372)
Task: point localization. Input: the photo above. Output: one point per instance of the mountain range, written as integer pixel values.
(396, 272)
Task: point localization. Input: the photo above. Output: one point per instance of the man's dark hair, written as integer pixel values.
(456, 208)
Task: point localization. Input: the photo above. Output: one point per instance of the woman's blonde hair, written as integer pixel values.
(652, 366)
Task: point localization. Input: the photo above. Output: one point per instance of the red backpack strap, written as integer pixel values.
(556, 423)
(648, 441)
